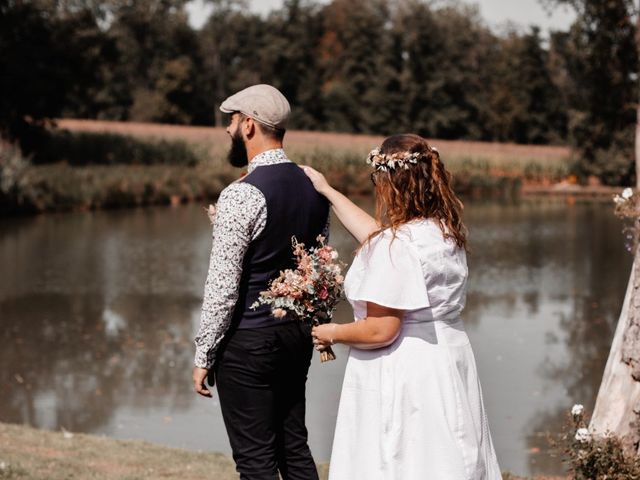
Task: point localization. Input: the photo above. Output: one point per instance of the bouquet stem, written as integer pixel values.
(327, 354)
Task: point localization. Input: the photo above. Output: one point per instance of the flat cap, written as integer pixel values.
(263, 103)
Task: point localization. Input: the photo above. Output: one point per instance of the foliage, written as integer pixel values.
(126, 171)
(368, 66)
(627, 208)
(12, 170)
(373, 66)
(61, 187)
(594, 457)
(108, 149)
(600, 57)
(12, 167)
(51, 58)
(526, 106)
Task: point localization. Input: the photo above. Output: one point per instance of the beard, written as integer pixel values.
(237, 155)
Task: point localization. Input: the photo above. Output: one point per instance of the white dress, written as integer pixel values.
(413, 410)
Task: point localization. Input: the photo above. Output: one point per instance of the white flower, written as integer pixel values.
(3, 466)
(577, 410)
(334, 254)
(582, 435)
(617, 199)
(627, 193)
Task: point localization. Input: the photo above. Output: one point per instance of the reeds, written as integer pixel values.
(89, 148)
(91, 168)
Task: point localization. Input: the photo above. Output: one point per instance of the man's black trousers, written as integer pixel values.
(261, 375)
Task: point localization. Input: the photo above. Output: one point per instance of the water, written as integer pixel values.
(98, 311)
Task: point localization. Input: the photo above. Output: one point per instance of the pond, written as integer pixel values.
(98, 313)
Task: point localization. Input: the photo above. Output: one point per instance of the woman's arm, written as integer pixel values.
(358, 222)
(379, 329)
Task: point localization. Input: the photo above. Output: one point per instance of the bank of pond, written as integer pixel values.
(85, 169)
(30, 454)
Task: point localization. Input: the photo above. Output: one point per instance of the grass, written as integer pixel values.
(62, 187)
(92, 164)
(534, 163)
(27, 453)
(30, 454)
(92, 148)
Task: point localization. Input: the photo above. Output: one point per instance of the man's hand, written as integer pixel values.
(211, 212)
(199, 376)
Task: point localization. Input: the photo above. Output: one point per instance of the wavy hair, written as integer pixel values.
(423, 190)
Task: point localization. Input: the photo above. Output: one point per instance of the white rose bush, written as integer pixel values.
(577, 410)
(627, 207)
(595, 457)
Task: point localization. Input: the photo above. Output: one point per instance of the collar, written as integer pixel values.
(269, 157)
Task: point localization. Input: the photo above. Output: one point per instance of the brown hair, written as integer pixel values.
(421, 191)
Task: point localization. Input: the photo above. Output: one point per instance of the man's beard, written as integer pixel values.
(237, 155)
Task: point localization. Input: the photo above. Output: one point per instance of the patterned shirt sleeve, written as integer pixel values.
(241, 214)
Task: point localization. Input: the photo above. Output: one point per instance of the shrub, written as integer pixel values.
(614, 165)
(85, 148)
(13, 166)
(596, 457)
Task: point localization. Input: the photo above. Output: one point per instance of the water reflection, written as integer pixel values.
(545, 293)
(98, 312)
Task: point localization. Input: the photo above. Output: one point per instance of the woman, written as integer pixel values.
(411, 404)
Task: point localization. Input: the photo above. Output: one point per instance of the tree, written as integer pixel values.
(526, 106)
(290, 60)
(448, 56)
(354, 33)
(602, 65)
(618, 402)
(50, 58)
(157, 77)
(229, 44)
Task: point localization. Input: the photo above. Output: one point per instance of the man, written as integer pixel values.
(259, 362)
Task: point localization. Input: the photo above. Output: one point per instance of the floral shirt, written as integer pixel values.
(241, 215)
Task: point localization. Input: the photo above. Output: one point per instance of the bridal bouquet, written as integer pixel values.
(309, 293)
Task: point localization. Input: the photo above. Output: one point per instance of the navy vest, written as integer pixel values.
(294, 208)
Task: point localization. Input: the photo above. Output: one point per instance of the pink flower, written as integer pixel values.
(279, 312)
(324, 293)
(325, 254)
(305, 265)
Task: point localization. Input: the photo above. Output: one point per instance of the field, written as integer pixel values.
(89, 165)
(534, 162)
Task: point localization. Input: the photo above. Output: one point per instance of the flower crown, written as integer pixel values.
(385, 162)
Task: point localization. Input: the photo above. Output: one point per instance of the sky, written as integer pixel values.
(495, 12)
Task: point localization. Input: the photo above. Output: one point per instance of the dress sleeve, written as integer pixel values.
(392, 274)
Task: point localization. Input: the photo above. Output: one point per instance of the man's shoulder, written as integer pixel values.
(240, 193)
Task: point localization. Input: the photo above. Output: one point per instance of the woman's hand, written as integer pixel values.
(324, 335)
(319, 182)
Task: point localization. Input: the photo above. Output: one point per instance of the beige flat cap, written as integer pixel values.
(263, 103)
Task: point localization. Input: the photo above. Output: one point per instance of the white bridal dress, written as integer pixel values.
(413, 410)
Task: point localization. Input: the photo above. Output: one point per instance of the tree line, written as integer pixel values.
(362, 66)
